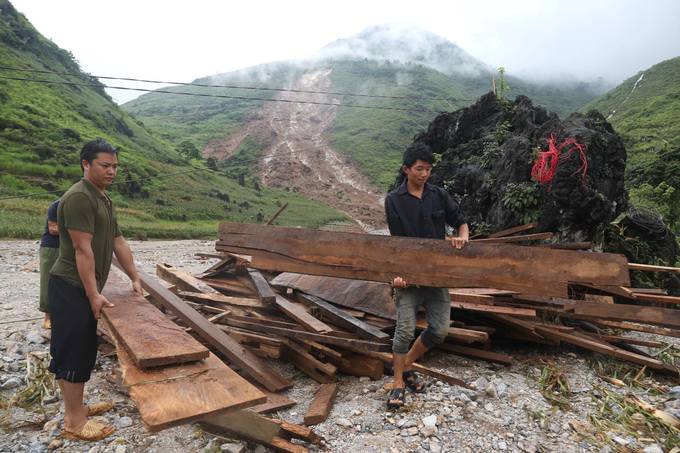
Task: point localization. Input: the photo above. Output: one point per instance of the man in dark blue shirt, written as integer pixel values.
(418, 209)
(49, 251)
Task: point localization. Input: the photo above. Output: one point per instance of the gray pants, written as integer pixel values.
(437, 304)
(48, 255)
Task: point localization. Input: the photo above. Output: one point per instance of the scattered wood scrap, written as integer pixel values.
(321, 404)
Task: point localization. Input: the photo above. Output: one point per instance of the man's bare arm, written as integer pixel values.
(124, 255)
(82, 243)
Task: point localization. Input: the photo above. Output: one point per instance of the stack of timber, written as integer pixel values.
(543, 293)
(174, 379)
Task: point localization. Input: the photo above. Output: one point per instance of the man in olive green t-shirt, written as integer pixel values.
(88, 237)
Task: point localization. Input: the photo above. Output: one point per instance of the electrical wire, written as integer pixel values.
(239, 87)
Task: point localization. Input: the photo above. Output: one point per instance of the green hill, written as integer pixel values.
(43, 126)
(385, 66)
(645, 110)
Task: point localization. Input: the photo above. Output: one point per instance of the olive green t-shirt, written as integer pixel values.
(84, 208)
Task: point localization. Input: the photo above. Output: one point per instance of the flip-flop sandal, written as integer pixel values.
(91, 432)
(396, 398)
(414, 382)
(99, 408)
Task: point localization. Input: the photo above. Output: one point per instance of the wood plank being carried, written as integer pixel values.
(250, 364)
(372, 257)
(182, 280)
(321, 404)
(342, 319)
(149, 337)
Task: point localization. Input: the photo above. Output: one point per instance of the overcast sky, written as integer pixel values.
(183, 40)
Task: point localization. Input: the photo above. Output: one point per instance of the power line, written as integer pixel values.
(239, 87)
(221, 96)
(163, 175)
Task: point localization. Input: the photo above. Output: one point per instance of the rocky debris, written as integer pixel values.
(487, 153)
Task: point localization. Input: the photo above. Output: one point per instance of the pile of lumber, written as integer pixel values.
(320, 300)
(544, 293)
(174, 379)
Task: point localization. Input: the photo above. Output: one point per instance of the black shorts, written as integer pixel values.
(74, 331)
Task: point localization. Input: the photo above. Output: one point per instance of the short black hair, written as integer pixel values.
(417, 151)
(94, 147)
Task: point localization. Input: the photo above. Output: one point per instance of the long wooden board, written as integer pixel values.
(341, 318)
(369, 297)
(182, 280)
(250, 364)
(668, 317)
(374, 258)
(177, 394)
(348, 343)
(147, 335)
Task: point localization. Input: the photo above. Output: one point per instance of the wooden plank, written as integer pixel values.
(262, 289)
(319, 371)
(275, 402)
(341, 318)
(668, 317)
(222, 299)
(639, 327)
(321, 404)
(250, 426)
(147, 335)
(250, 364)
(476, 353)
(371, 257)
(520, 238)
(299, 313)
(182, 280)
(387, 358)
(605, 348)
(657, 298)
(629, 340)
(513, 230)
(482, 291)
(354, 364)
(230, 286)
(494, 309)
(651, 268)
(369, 297)
(177, 394)
(349, 343)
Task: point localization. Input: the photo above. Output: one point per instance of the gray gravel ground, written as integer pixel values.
(506, 412)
